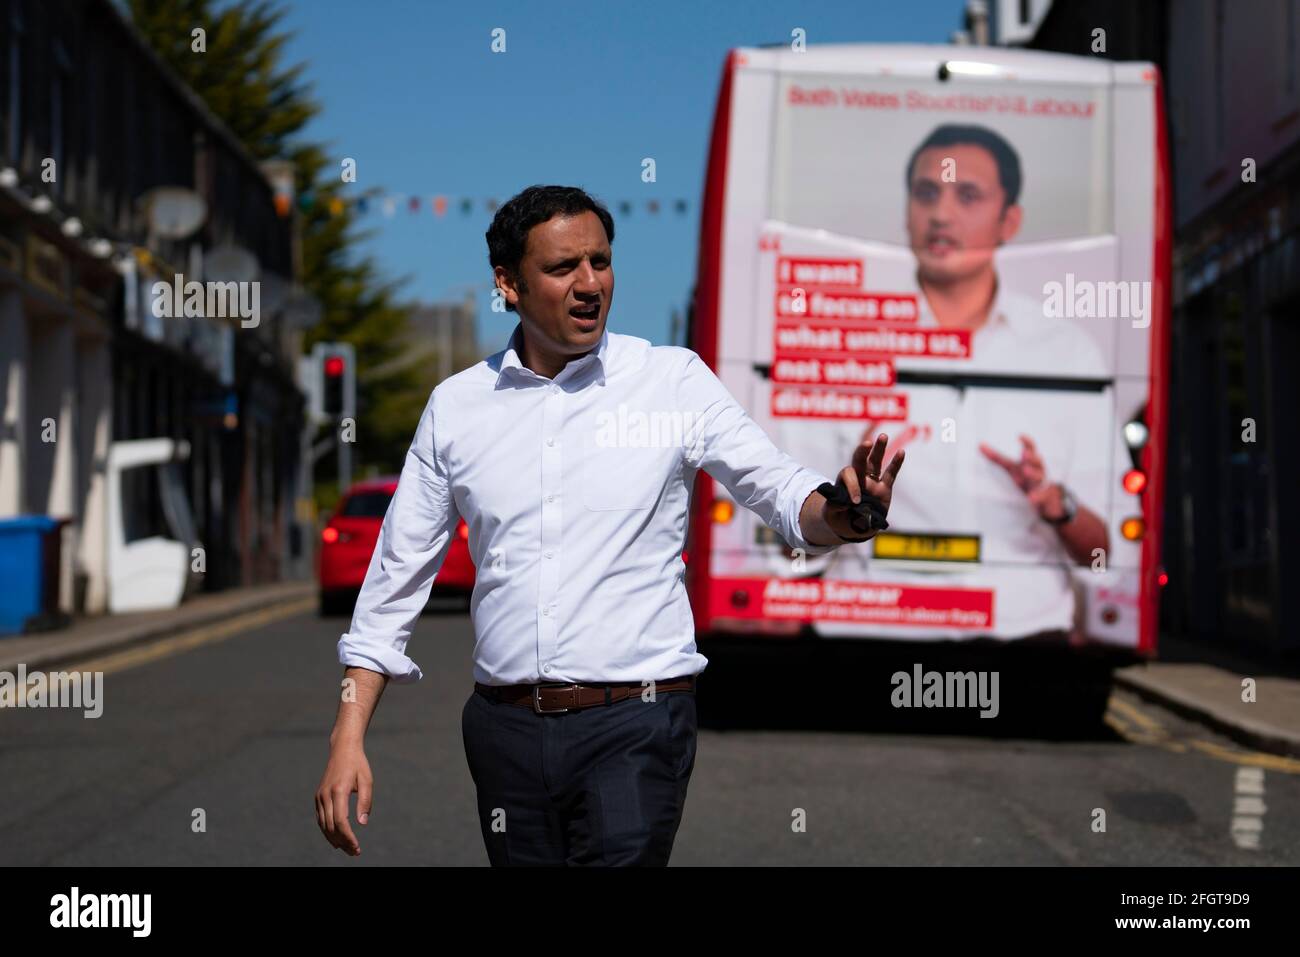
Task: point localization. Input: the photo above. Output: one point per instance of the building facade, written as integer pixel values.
(92, 124)
(1232, 92)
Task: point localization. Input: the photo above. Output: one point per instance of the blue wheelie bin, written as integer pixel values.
(29, 570)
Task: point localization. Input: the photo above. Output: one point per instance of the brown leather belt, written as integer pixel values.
(557, 698)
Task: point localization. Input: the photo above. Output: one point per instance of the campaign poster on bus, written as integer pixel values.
(930, 266)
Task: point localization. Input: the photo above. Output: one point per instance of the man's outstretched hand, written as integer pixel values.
(864, 475)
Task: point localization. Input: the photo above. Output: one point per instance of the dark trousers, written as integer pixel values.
(601, 786)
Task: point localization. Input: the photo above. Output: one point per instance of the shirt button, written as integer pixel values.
(550, 554)
(547, 669)
(550, 441)
(547, 611)
(550, 498)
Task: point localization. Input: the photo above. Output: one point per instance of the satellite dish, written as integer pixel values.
(174, 212)
(230, 263)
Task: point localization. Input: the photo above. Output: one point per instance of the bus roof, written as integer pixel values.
(922, 61)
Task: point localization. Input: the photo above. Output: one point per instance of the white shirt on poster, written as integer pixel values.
(952, 488)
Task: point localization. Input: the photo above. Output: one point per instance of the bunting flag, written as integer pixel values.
(386, 203)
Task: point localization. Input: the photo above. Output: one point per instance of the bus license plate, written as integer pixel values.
(930, 548)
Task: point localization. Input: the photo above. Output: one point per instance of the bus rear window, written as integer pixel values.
(844, 146)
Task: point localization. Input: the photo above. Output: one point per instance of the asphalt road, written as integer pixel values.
(233, 730)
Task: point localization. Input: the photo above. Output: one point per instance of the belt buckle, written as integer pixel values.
(537, 701)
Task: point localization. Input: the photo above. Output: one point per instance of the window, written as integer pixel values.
(1219, 78)
(13, 135)
(366, 505)
(1290, 46)
(59, 87)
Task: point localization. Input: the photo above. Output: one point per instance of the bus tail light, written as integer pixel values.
(1163, 578)
(1136, 434)
(1133, 529)
(1135, 480)
(723, 510)
(330, 535)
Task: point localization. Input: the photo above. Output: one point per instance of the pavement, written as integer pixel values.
(1196, 682)
(92, 636)
(1207, 685)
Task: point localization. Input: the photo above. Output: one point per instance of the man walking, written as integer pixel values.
(571, 455)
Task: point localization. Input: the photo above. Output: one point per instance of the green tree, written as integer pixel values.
(243, 78)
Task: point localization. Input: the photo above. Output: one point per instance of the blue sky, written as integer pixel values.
(411, 90)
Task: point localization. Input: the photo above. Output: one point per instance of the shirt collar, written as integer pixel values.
(1002, 314)
(598, 358)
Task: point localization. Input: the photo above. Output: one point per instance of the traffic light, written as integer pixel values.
(335, 372)
(329, 379)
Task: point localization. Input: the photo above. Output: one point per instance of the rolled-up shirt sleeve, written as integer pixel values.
(413, 543)
(733, 448)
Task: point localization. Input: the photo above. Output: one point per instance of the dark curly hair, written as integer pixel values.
(536, 204)
(1003, 154)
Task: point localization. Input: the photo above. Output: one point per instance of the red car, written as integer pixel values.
(348, 541)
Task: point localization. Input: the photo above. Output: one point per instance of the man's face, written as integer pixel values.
(954, 227)
(566, 270)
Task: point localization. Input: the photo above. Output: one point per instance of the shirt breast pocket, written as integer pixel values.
(618, 478)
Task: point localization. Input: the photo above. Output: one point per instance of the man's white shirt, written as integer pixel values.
(575, 491)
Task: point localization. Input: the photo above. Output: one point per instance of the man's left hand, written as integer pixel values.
(864, 475)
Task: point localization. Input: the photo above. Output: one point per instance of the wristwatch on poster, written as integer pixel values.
(1069, 508)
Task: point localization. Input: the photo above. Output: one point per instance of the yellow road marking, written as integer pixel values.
(208, 634)
(1133, 714)
(1273, 762)
(1154, 734)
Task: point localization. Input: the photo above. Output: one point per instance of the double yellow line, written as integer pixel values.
(189, 640)
(1149, 731)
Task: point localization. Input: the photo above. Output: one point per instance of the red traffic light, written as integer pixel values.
(334, 366)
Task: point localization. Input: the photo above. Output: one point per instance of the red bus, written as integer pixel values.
(968, 249)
